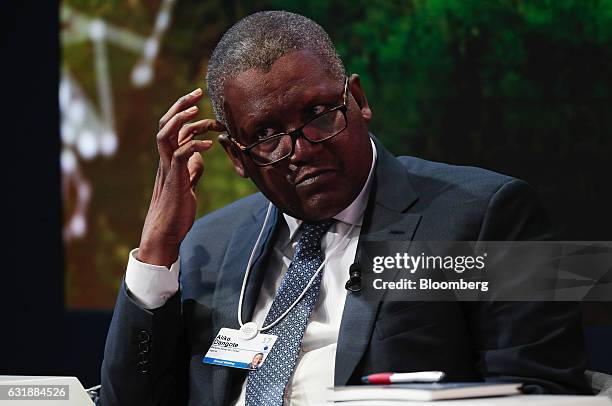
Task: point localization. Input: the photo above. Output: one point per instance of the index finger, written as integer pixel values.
(191, 130)
(181, 104)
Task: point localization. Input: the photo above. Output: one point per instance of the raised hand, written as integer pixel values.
(173, 204)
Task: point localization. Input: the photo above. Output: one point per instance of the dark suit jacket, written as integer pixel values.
(155, 357)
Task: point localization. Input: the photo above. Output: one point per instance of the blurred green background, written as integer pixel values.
(521, 87)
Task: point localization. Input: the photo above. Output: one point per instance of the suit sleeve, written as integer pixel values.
(537, 343)
(144, 363)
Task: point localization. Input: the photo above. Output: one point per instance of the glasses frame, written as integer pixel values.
(298, 132)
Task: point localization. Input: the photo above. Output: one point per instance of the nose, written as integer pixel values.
(302, 148)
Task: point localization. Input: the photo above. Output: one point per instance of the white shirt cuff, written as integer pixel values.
(151, 285)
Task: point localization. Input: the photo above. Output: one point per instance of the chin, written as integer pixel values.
(319, 208)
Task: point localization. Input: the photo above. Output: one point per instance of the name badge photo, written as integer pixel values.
(231, 349)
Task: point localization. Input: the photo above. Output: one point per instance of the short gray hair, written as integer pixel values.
(257, 41)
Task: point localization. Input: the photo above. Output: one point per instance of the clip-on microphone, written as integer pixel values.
(354, 282)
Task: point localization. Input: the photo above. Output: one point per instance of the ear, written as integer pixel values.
(234, 155)
(354, 85)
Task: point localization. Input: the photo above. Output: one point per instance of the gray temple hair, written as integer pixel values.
(257, 41)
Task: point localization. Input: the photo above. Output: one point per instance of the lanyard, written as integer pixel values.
(250, 329)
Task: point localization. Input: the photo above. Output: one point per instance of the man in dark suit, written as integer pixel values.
(299, 129)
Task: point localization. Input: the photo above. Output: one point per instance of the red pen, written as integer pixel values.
(385, 378)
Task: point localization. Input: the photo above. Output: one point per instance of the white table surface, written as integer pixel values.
(517, 400)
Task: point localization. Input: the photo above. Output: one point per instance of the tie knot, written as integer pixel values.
(313, 232)
(318, 228)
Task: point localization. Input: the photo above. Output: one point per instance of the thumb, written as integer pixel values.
(195, 166)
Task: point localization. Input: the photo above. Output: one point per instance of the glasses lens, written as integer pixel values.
(271, 150)
(279, 147)
(325, 126)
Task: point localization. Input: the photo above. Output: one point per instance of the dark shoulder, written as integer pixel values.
(234, 212)
(459, 202)
(431, 179)
(220, 224)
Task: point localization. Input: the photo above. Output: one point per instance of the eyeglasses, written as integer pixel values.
(279, 146)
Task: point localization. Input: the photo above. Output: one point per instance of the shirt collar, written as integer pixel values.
(353, 213)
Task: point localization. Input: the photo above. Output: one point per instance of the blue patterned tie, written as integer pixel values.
(266, 385)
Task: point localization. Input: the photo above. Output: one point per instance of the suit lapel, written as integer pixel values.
(229, 283)
(385, 219)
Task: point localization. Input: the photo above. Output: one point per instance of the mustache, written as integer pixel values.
(302, 174)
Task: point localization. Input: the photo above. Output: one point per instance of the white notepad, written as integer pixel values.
(423, 391)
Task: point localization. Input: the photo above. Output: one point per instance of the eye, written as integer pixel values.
(318, 109)
(264, 133)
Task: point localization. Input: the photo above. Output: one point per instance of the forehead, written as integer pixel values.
(294, 79)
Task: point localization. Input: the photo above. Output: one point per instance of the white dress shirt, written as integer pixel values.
(152, 285)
